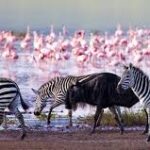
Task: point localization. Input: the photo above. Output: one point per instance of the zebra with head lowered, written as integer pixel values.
(138, 81)
(57, 88)
(10, 97)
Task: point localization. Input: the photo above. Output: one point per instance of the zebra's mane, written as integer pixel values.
(55, 79)
(140, 71)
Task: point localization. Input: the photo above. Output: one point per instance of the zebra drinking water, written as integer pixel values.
(138, 81)
(9, 98)
(57, 88)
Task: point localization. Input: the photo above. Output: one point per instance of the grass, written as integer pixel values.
(129, 119)
(43, 117)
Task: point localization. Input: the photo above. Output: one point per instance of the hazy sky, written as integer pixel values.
(92, 14)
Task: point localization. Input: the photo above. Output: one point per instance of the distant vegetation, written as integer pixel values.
(19, 34)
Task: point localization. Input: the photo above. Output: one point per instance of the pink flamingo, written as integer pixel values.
(26, 42)
(9, 49)
(9, 53)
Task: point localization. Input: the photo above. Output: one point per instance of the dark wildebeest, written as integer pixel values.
(100, 92)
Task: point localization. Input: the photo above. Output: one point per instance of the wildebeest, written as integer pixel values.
(100, 92)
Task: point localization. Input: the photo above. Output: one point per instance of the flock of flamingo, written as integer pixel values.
(94, 49)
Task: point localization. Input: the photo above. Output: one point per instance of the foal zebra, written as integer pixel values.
(9, 98)
(138, 81)
(57, 88)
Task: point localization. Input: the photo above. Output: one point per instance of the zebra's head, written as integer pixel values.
(40, 102)
(127, 79)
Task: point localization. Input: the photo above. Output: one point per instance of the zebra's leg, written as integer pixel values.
(13, 108)
(148, 139)
(50, 111)
(5, 121)
(19, 116)
(116, 111)
(147, 125)
(1, 117)
(49, 116)
(97, 113)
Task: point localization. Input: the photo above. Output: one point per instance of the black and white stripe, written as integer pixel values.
(57, 89)
(9, 98)
(138, 81)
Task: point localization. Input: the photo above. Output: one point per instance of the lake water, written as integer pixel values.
(29, 74)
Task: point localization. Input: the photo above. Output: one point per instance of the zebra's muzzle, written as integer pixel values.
(36, 113)
(120, 89)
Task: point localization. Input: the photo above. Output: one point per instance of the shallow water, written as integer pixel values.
(29, 74)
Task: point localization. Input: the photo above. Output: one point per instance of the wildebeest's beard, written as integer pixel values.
(68, 104)
(77, 98)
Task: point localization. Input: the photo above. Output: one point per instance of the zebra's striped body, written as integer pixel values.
(57, 89)
(9, 98)
(138, 81)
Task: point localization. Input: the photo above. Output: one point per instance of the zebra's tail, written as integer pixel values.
(24, 105)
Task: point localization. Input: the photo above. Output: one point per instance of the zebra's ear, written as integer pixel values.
(130, 65)
(35, 91)
(125, 67)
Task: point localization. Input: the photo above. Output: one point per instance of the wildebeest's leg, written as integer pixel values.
(147, 125)
(116, 111)
(100, 118)
(70, 117)
(50, 111)
(97, 113)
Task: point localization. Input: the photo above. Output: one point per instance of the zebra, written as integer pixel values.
(138, 81)
(9, 98)
(57, 88)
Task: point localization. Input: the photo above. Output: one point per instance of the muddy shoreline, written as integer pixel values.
(73, 140)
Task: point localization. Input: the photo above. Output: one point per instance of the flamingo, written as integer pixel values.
(26, 42)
